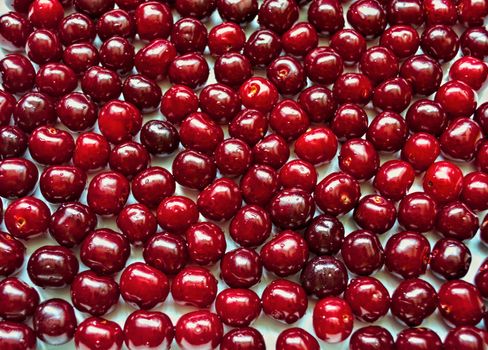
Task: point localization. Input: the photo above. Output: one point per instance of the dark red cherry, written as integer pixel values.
(93, 8)
(324, 276)
(43, 46)
(418, 339)
(18, 176)
(379, 63)
(284, 300)
(393, 179)
(471, 13)
(198, 329)
(137, 223)
(12, 254)
(241, 268)
(388, 131)
(481, 279)
(91, 151)
(7, 106)
(200, 133)
(159, 137)
(325, 235)
(278, 16)
(440, 12)
(440, 42)
(465, 338)
(323, 65)
(17, 74)
(375, 213)
(76, 111)
(417, 212)
(460, 139)
(18, 301)
(393, 94)
(258, 93)
(142, 92)
(362, 252)
(206, 243)
(71, 223)
(151, 329)
(80, 57)
(190, 69)
(332, 320)
(326, 16)
(368, 299)
(55, 321)
(129, 158)
(153, 61)
(115, 23)
(193, 169)
(107, 193)
(13, 142)
(300, 39)
(402, 40)
(117, 54)
(443, 181)
(353, 88)
(371, 338)
(450, 259)
(296, 339)
(421, 150)
(262, 47)
(199, 9)
(249, 125)
(98, 333)
(481, 159)
(473, 42)
(220, 200)
(318, 102)
(14, 31)
(245, 338)
(189, 35)
(348, 43)
(426, 116)
(17, 336)
(298, 174)
(350, 121)
(194, 286)
(76, 28)
(232, 69)
(251, 226)
(153, 20)
(337, 194)
(475, 191)
(219, 102)
(291, 209)
(238, 307)
(60, 184)
(423, 73)
(27, 217)
(172, 247)
(368, 17)
(259, 184)
(178, 102)
(56, 79)
(455, 220)
(101, 84)
(152, 185)
(287, 74)
(226, 37)
(359, 159)
(238, 12)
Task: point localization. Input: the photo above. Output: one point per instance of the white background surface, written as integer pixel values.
(267, 326)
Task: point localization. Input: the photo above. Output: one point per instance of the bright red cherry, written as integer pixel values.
(337, 194)
(17, 336)
(45, 13)
(56, 79)
(359, 159)
(226, 37)
(55, 321)
(258, 93)
(332, 320)
(190, 69)
(108, 193)
(51, 146)
(421, 150)
(71, 223)
(285, 301)
(296, 339)
(14, 31)
(298, 174)
(368, 298)
(18, 301)
(402, 40)
(457, 99)
(251, 226)
(249, 125)
(469, 70)
(318, 102)
(475, 191)
(60, 184)
(353, 88)
(259, 184)
(241, 268)
(393, 94)
(199, 329)
(317, 145)
(27, 217)
(300, 39)
(172, 247)
(177, 213)
(148, 329)
(238, 307)
(443, 181)
(18, 176)
(417, 212)
(153, 20)
(194, 286)
(368, 17)
(119, 121)
(418, 339)
(440, 12)
(379, 63)
(178, 102)
(460, 139)
(153, 61)
(206, 243)
(394, 178)
(220, 200)
(387, 132)
(152, 185)
(200, 133)
(91, 151)
(137, 222)
(375, 213)
(100, 334)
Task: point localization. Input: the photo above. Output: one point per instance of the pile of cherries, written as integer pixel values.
(84, 109)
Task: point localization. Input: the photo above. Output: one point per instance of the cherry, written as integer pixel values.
(220, 200)
(151, 329)
(371, 338)
(115, 23)
(128, 158)
(393, 94)
(326, 16)
(76, 28)
(290, 209)
(421, 150)
(105, 251)
(169, 245)
(52, 266)
(440, 12)
(232, 69)
(278, 16)
(241, 268)
(332, 320)
(300, 39)
(469, 70)
(388, 131)
(474, 192)
(61, 184)
(440, 42)
(260, 183)
(18, 301)
(426, 116)
(200, 133)
(199, 329)
(484, 230)
(189, 35)
(298, 174)
(54, 321)
(348, 43)
(238, 307)
(251, 226)
(245, 338)
(98, 333)
(393, 179)
(16, 336)
(238, 12)
(316, 146)
(199, 9)
(102, 85)
(481, 279)
(460, 303)
(407, 254)
(249, 125)
(94, 294)
(51, 146)
(27, 217)
(153, 61)
(220, 103)
(481, 159)
(14, 31)
(194, 286)
(17, 74)
(128, 5)
(206, 243)
(153, 20)
(80, 57)
(401, 40)
(471, 13)
(284, 300)
(12, 254)
(465, 338)
(450, 259)
(258, 93)
(119, 121)
(473, 42)
(71, 223)
(13, 142)
(177, 213)
(226, 37)
(285, 262)
(350, 121)
(43, 46)
(324, 276)
(368, 298)
(107, 193)
(460, 139)
(443, 181)
(7, 106)
(379, 63)
(418, 339)
(190, 69)
(45, 13)
(353, 88)
(56, 79)
(359, 159)
(423, 73)
(21, 6)
(337, 194)
(262, 47)
(287, 74)
(296, 339)
(417, 212)
(178, 102)
(455, 220)
(117, 54)
(413, 301)
(93, 8)
(91, 151)
(318, 102)
(76, 111)
(137, 222)
(362, 252)
(325, 235)
(152, 185)
(368, 17)
(193, 169)
(18, 177)
(457, 99)
(375, 213)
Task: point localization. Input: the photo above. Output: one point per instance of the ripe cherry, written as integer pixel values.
(362, 252)
(194, 286)
(241, 268)
(205, 242)
(284, 300)
(172, 247)
(151, 329)
(371, 338)
(417, 212)
(108, 193)
(375, 213)
(368, 298)
(199, 329)
(238, 307)
(393, 179)
(296, 339)
(418, 339)
(55, 321)
(332, 320)
(19, 300)
(12, 254)
(98, 333)
(324, 276)
(27, 217)
(443, 181)
(251, 226)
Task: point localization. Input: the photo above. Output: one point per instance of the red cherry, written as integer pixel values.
(418, 339)
(51, 146)
(76, 28)
(206, 243)
(262, 47)
(348, 43)
(152, 185)
(465, 338)
(220, 200)
(440, 42)
(475, 191)
(226, 37)
(153, 20)
(189, 35)
(237, 12)
(27, 217)
(17, 73)
(194, 286)
(93, 8)
(55, 322)
(103, 85)
(43, 46)
(402, 40)
(324, 276)
(421, 150)
(258, 93)
(316, 146)
(291, 209)
(326, 16)
(14, 31)
(299, 39)
(443, 181)
(387, 132)
(353, 88)
(232, 69)
(278, 16)
(151, 329)
(417, 212)
(298, 174)
(379, 63)
(108, 193)
(375, 213)
(337, 194)
(423, 73)
(332, 320)
(98, 333)
(238, 307)
(190, 69)
(61, 184)
(362, 252)
(284, 301)
(71, 223)
(245, 338)
(368, 298)
(249, 125)
(200, 133)
(469, 70)
(18, 177)
(272, 151)
(368, 17)
(460, 139)
(199, 9)
(450, 259)
(199, 329)
(323, 65)
(296, 339)
(426, 116)
(153, 61)
(325, 235)
(115, 23)
(45, 13)
(12, 254)
(393, 94)
(359, 159)
(473, 42)
(455, 220)
(393, 179)
(233, 157)
(119, 121)
(169, 245)
(128, 158)
(251, 226)
(220, 103)
(241, 268)
(193, 169)
(16, 336)
(18, 301)
(350, 121)
(76, 111)
(91, 151)
(371, 338)
(287, 74)
(137, 222)
(13, 142)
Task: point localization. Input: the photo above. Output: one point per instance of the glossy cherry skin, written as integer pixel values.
(296, 339)
(80, 57)
(375, 213)
(371, 338)
(450, 259)
(249, 125)
(76, 28)
(423, 73)
(407, 254)
(7, 106)
(142, 92)
(443, 181)
(19, 300)
(219, 102)
(117, 54)
(94, 294)
(481, 279)
(337, 194)
(153, 20)
(43, 46)
(172, 247)
(285, 262)
(393, 94)
(98, 333)
(299, 39)
(457, 99)
(101, 84)
(76, 111)
(238, 307)
(189, 35)
(137, 222)
(119, 121)
(177, 213)
(17, 73)
(45, 13)
(232, 69)
(471, 13)
(326, 16)
(318, 102)
(226, 37)
(18, 177)
(197, 9)
(359, 159)
(16, 336)
(13, 142)
(362, 252)
(56, 79)
(481, 159)
(259, 184)
(14, 31)
(298, 174)
(54, 321)
(220, 200)
(193, 169)
(348, 43)
(154, 59)
(52, 266)
(440, 12)
(440, 42)
(402, 40)
(379, 64)
(460, 303)
(241, 268)
(129, 158)
(417, 212)
(484, 230)
(324, 235)
(194, 286)
(262, 47)
(178, 102)
(115, 23)
(368, 17)
(324, 276)
(469, 70)
(107, 193)
(278, 16)
(159, 137)
(368, 298)
(91, 151)
(60, 184)
(190, 69)
(393, 179)
(287, 74)
(426, 116)
(418, 339)
(12, 254)
(350, 121)
(105, 251)
(258, 93)
(245, 338)
(387, 132)
(353, 88)
(291, 209)
(27, 217)
(460, 139)
(332, 320)
(198, 329)
(238, 12)
(474, 192)
(473, 42)
(284, 301)
(51, 146)
(93, 8)
(465, 338)
(200, 133)
(455, 220)
(413, 301)
(148, 330)
(206, 243)
(421, 150)
(152, 185)
(316, 146)
(251, 226)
